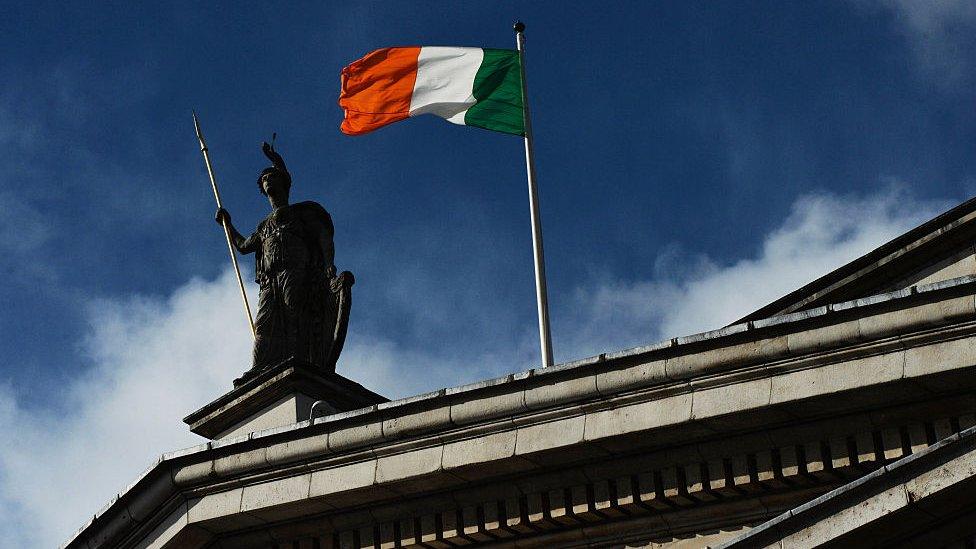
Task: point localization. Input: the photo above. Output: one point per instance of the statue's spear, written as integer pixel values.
(230, 246)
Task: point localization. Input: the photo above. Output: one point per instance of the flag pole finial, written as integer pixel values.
(519, 26)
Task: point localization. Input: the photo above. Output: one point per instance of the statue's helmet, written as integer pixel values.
(282, 174)
(277, 168)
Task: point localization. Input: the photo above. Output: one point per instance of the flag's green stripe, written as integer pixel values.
(498, 89)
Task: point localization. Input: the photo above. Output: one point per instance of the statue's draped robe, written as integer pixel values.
(300, 295)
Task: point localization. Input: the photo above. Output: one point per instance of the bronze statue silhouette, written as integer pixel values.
(303, 306)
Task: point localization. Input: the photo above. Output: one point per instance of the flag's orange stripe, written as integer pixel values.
(376, 89)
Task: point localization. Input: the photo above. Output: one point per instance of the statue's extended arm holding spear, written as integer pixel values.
(227, 226)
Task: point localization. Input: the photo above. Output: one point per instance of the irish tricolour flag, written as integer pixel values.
(468, 86)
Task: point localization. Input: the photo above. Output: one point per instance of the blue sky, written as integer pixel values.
(695, 161)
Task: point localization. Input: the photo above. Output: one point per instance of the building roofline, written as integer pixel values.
(863, 268)
(675, 347)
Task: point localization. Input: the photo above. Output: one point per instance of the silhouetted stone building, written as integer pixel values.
(841, 414)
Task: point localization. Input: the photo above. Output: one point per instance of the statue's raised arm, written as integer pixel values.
(276, 161)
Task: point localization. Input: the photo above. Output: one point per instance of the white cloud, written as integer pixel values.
(940, 33)
(691, 293)
(153, 360)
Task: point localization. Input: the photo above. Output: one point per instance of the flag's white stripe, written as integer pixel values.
(445, 81)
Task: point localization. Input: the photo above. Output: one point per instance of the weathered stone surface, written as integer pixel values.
(712, 334)
(841, 376)
(167, 529)
(557, 504)
(718, 401)
(558, 392)
(836, 525)
(647, 492)
(673, 486)
(549, 436)
(409, 464)
(741, 473)
(480, 450)
(840, 455)
(144, 505)
(604, 500)
(864, 447)
(789, 462)
(257, 497)
(766, 473)
(638, 417)
(940, 357)
(239, 462)
(194, 473)
(703, 362)
(471, 526)
(513, 520)
(298, 449)
(918, 317)
(940, 478)
(214, 505)
(816, 462)
(622, 379)
(718, 482)
(696, 482)
(116, 525)
(284, 411)
(625, 496)
(356, 436)
(823, 338)
(450, 524)
(400, 425)
(352, 476)
(892, 443)
(487, 407)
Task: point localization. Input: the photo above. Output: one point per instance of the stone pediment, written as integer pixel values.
(939, 249)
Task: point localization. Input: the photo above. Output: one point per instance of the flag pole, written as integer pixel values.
(230, 246)
(542, 301)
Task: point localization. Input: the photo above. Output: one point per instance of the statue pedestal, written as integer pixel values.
(278, 396)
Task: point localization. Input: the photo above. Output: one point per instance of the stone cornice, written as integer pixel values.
(686, 378)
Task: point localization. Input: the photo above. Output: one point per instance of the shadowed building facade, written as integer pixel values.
(839, 415)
